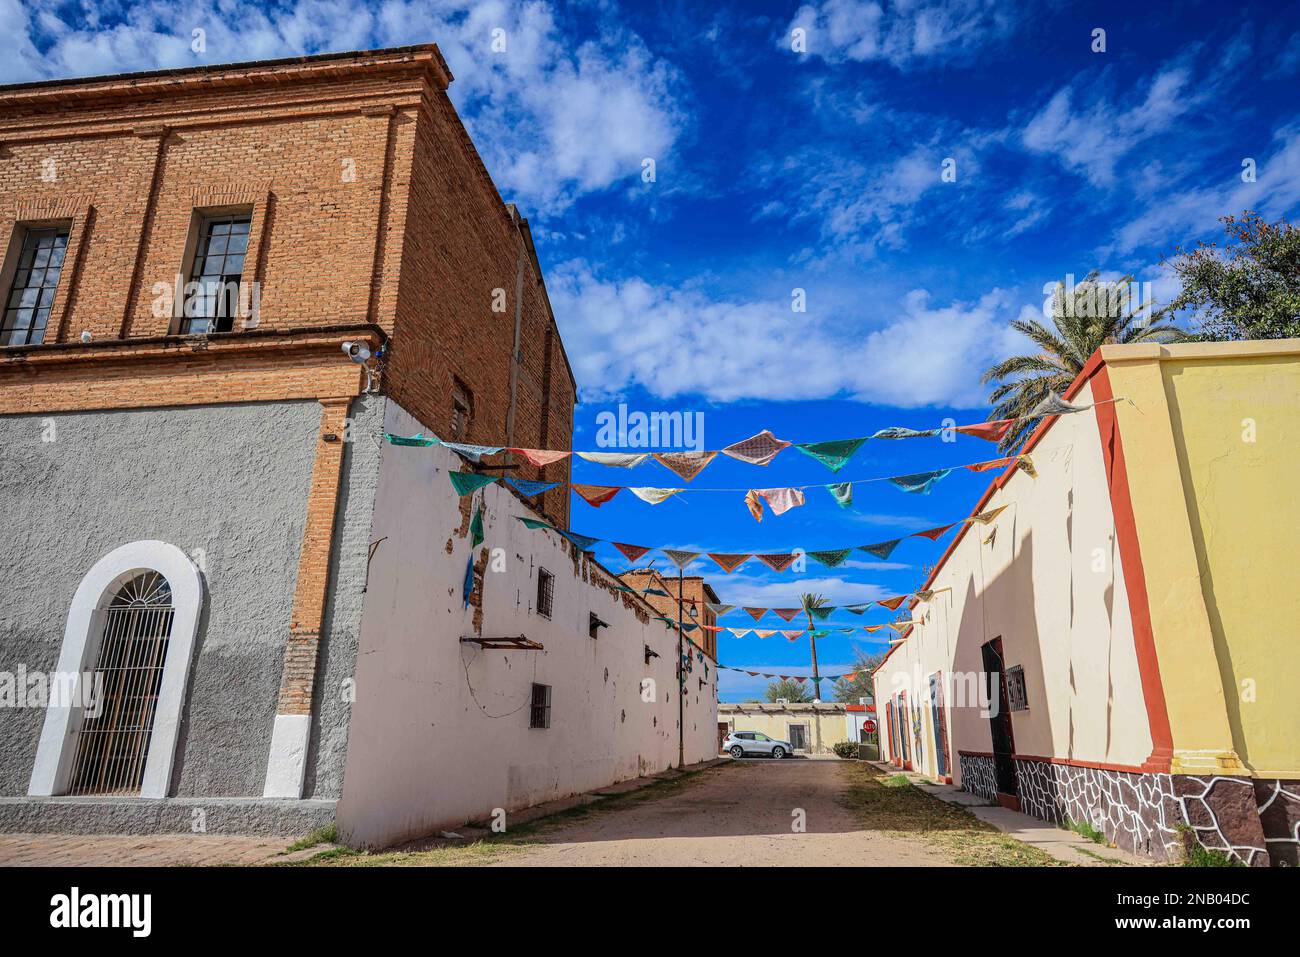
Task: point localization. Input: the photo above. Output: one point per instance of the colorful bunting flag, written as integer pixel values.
(990, 465)
(1053, 404)
(994, 431)
(1026, 465)
(881, 550)
(476, 528)
(618, 460)
(834, 454)
(832, 557)
(654, 496)
(583, 542)
(985, 517)
(793, 635)
(686, 465)
(755, 505)
(466, 483)
(596, 495)
(764, 632)
(758, 449)
(755, 613)
(787, 613)
(897, 432)
(821, 613)
(631, 552)
(919, 482)
(680, 558)
(534, 523)
(859, 608)
(474, 452)
(718, 609)
(729, 562)
(776, 562)
(539, 457)
(933, 534)
(529, 488)
(892, 603)
(416, 440)
(842, 493)
(779, 500)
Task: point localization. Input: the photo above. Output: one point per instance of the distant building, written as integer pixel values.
(1123, 619)
(803, 724)
(696, 595)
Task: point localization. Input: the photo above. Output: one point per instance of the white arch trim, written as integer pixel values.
(81, 636)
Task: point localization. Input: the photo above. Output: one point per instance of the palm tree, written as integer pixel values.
(809, 601)
(1098, 313)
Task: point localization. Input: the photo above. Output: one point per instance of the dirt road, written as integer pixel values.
(739, 814)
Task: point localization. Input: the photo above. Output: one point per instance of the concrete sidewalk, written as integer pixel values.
(1066, 846)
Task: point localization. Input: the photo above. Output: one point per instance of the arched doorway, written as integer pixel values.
(113, 741)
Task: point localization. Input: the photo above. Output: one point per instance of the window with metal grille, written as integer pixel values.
(545, 592)
(540, 713)
(36, 278)
(1017, 696)
(213, 297)
(113, 741)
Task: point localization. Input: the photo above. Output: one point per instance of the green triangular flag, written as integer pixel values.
(466, 483)
(831, 557)
(834, 454)
(476, 528)
(534, 523)
(843, 493)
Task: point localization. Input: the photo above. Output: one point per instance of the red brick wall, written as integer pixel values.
(416, 244)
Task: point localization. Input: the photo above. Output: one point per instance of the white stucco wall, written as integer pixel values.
(1051, 585)
(440, 730)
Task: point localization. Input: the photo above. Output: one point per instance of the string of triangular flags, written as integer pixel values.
(847, 676)
(821, 612)
(779, 500)
(759, 449)
(777, 561)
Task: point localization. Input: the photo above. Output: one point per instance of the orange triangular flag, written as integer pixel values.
(540, 457)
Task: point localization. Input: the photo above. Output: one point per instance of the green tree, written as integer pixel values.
(860, 687)
(1249, 289)
(789, 689)
(1092, 314)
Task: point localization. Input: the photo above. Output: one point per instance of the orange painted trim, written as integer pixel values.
(1121, 500)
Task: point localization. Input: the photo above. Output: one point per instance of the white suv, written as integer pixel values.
(741, 743)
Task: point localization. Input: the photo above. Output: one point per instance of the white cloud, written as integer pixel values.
(1180, 217)
(679, 341)
(555, 118)
(1091, 140)
(903, 33)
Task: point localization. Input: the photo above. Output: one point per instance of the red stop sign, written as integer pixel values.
(869, 726)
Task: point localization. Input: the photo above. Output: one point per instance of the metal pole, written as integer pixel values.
(681, 678)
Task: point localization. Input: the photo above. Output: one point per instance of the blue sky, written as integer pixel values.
(820, 170)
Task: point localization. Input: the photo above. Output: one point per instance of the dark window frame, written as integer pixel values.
(42, 250)
(539, 712)
(221, 237)
(1017, 691)
(545, 593)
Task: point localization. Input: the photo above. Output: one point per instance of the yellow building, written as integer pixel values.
(810, 728)
(1132, 604)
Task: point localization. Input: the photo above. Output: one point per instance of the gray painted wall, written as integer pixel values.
(229, 480)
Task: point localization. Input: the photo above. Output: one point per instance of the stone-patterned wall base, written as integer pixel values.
(977, 775)
(1136, 812)
(1279, 813)
(1255, 821)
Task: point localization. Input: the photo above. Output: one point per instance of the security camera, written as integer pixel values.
(358, 352)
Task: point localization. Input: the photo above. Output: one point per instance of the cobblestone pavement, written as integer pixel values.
(149, 850)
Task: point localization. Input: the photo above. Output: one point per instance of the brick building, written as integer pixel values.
(696, 594)
(194, 457)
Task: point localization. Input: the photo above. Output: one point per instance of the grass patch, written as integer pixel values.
(474, 854)
(329, 834)
(893, 804)
(1084, 829)
(1196, 854)
(497, 846)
